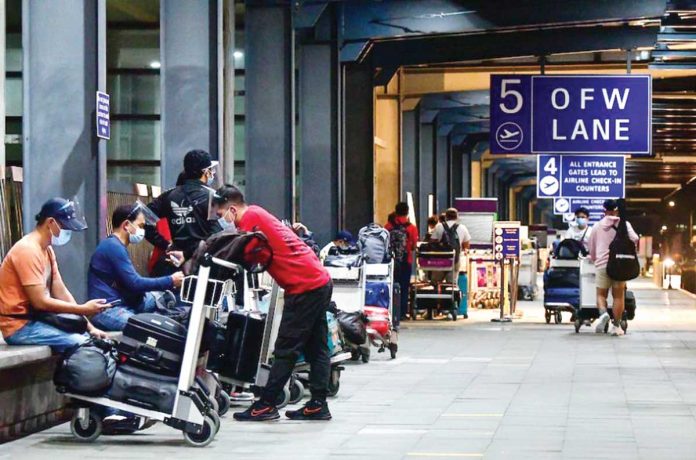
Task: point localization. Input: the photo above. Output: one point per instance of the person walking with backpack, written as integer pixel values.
(403, 237)
(452, 236)
(612, 234)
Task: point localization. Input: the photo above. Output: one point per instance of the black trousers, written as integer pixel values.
(303, 329)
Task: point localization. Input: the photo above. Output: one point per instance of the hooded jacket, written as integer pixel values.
(603, 234)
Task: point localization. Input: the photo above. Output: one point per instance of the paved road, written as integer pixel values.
(474, 389)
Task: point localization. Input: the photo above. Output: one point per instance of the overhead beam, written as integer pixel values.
(449, 49)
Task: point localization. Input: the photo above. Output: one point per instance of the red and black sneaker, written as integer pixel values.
(258, 412)
(313, 410)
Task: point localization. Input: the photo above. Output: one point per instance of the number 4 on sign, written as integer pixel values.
(550, 166)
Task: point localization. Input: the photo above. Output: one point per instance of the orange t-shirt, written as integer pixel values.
(27, 264)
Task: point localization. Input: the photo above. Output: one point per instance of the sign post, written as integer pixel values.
(103, 121)
(506, 251)
(571, 114)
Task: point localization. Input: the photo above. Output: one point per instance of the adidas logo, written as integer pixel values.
(181, 211)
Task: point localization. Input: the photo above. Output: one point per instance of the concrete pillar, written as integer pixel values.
(475, 178)
(189, 82)
(61, 76)
(3, 46)
(270, 107)
(228, 48)
(442, 172)
(409, 153)
(318, 101)
(426, 172)
(357, 169)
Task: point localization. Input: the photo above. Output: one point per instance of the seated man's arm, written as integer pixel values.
(40, 301)
(58, 289)
(129, 279)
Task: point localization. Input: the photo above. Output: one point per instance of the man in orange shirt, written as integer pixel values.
(30, 282)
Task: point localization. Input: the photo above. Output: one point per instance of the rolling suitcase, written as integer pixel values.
(144, 388)
(569, 295)
(153, 342)
(243, 348)
(630, 305)
(562, 278)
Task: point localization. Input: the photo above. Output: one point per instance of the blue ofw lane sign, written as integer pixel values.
(581, 176)
(579, 114)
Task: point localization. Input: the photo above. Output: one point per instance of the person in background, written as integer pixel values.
(455, 233)
(601, 238)
(402, 230)
(342, 242)
(160, 263)
(112, 275)
(303, 326)
(580, 230)
(30, 283)
(432, 223)
(187, 209)
(306, 236)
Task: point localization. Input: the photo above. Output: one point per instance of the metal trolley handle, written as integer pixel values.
(208, 260)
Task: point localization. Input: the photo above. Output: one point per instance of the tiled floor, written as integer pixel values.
(475, 389)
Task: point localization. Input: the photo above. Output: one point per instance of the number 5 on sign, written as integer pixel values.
(505, 92)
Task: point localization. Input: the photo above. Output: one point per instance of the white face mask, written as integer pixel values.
(137, 237)
(62, 239)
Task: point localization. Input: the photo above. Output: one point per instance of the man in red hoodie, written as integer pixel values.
(401, 229)
(602, 235)
(303, 327)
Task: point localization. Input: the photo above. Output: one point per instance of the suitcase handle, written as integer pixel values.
(148, 354)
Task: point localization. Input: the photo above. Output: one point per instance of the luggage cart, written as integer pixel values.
(527, 278)
(349, 296)
(587, 311)
(436, 295)
(193, 413)
(554, 307)
(383, 336)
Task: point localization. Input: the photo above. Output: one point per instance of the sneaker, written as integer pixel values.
(258, 412)
(602, 323)
(313, 410)
(616, 331)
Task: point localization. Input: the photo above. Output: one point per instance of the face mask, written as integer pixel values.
(581, 221)
(137, 237)
(62, 239)
(225, 224)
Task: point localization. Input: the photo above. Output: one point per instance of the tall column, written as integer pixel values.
(270, 108)
(357, 167)
(3, 47)
(189, 33)
(409, 153)
(61, 154)
(442, 172)
(318, 101)
(426, 172)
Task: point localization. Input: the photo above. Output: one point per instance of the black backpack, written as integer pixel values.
(398, 242)
(569, 249)
(623, 262)
(450, 239)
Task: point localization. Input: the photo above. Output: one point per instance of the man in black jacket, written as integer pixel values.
(187, 208)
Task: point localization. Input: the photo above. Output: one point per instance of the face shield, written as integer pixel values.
(213, 174)
(140, 208)
(70, 216)
(212, 200)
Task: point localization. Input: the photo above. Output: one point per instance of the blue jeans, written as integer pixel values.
(115, 318)
(38, 333)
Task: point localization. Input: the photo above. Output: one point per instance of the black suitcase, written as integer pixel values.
(153, 342)
(144, 388)
(243, 347)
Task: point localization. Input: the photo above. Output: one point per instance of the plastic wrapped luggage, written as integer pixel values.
(343, 260)
(334, 339)
(377, 319)
(377, 294)
(373, 241)
(153, 342)
(243, 347)
(562, 277)
(144, 388)
(352, 325)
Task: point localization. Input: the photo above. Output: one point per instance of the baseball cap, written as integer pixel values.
(345, 236)
(196, 161)
(610, 205)
(66, 212)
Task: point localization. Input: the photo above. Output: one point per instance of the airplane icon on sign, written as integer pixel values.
(508, 135)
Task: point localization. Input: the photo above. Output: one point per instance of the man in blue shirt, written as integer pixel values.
(112, 275)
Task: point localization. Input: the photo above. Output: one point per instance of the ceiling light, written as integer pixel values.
(238, 54)
(155, 65)
(671, 204)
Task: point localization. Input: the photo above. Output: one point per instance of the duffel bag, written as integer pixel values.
(353, 326)
(87, 369)
(377, 294)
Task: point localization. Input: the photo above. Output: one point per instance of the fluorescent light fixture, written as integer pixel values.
(238, 54)
(155, 65)
(654, 185)
(671, 204)
(644, 200)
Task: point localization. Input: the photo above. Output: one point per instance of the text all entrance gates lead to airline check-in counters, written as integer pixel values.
(571, 114)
